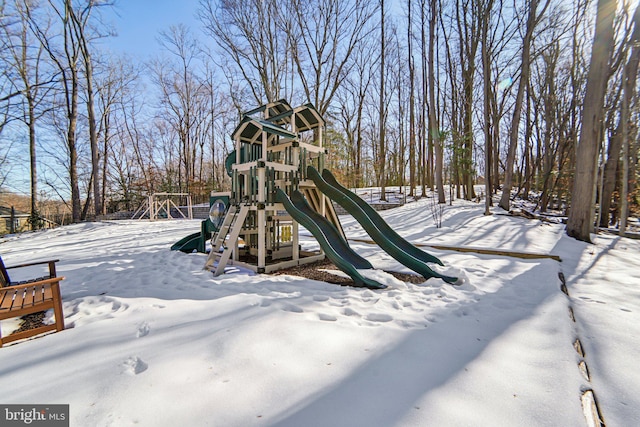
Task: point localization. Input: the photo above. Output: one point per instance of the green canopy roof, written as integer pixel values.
(250, 130)
(307, 117)
(273, 108)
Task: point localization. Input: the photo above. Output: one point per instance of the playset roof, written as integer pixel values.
(250, 130)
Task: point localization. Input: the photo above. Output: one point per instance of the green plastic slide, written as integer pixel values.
(330, 240)
(188, 244)
(195, 241)
(390, 241)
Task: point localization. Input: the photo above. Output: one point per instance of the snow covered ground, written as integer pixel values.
(154, 340)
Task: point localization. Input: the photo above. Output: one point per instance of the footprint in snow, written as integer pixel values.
(350, 312)
(134, 365)
(367, 294)
(327, 317)
(143, 330)
(379, 317)
(292, 308)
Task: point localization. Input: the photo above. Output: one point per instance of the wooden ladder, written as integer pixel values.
(230, 228)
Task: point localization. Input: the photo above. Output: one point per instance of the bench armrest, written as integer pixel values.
(31, 284)
(52, 266)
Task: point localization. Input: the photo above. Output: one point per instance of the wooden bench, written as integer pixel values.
(31, 296)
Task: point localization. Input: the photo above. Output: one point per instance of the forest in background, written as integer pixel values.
(536, 99)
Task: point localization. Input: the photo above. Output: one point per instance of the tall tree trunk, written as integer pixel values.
(486, 73)
(93, 135)
(72, 89)
(32, 159)
(105, 150)
(381, 153)
(615, 142)
(78, 25)
(434, 127)
(532, 20)
(468, 138)
(579, 222)
(412, 116)
(624, 190)
(359, 174)
(72, 116)
(468, 23)
(24, 61)
(528, 172)
(425, 106)
(550, 106)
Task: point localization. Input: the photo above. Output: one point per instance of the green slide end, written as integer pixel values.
(195, 241)
(330, 240)
(390, 241)
(188, 244)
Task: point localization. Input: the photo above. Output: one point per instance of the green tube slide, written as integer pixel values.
(390, 241)
(331, 242)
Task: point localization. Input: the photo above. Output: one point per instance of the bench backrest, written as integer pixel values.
(4, 276)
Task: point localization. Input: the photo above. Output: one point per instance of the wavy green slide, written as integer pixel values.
(390, 241)
(188, 244)
(330, 240)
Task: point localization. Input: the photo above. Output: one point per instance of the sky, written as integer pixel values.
(138, 22)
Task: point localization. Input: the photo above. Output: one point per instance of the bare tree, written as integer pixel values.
(533, 18)
(548, 101)
(468, 22)
(412, 118)
(247, 31)
(352, 96)
(556, 94)
(323, 35)
(80, 20)
(616, 140)
(382, 116)
(185, 99)
(4, 115)
(434, 126)
(114, 89)
(485, 53)
(66, 59)
(6, 86)
(33, 81)
(580, 220)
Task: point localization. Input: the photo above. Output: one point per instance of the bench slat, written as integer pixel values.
(28, 297)
(38, 294)
(47, 292)
(7, 300)
(22, 298)
(30, 309)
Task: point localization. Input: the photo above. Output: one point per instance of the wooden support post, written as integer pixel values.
(262, 219)
(152, 208)
(12, 226)
(296, 240)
